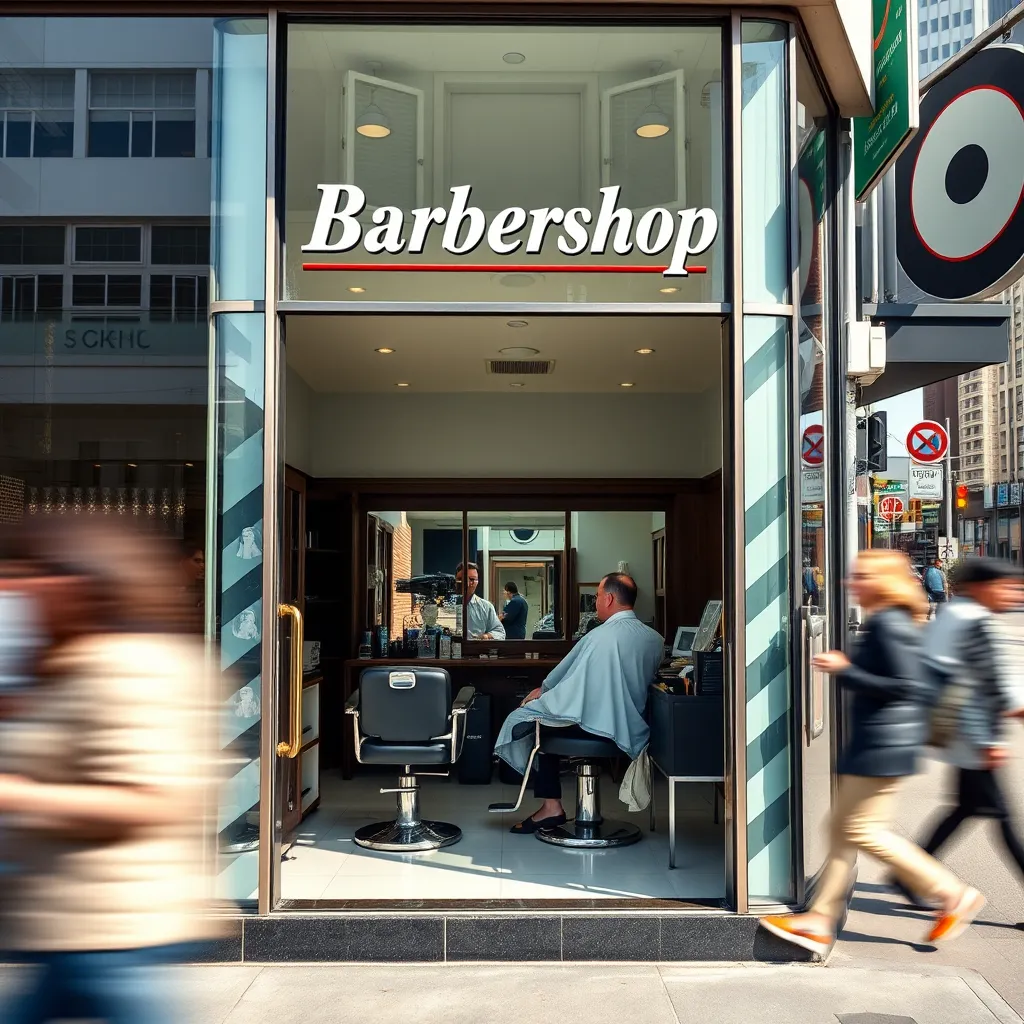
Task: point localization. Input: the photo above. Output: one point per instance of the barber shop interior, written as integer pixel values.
(541, 490)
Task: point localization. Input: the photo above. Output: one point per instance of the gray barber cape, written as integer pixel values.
(600, 685)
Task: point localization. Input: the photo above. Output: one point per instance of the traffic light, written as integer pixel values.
(878, 442)
(961, 495)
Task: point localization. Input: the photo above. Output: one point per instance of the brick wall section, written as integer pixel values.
(401, 555)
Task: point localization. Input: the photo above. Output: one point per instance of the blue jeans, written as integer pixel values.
(122, 986)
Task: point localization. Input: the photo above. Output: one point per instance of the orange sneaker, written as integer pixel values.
(951, 924)
(788, 929)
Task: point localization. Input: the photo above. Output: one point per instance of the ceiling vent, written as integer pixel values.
(521, 367)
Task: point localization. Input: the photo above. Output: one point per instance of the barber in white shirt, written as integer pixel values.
(482, 622)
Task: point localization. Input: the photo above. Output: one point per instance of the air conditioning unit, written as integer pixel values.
(865, 346)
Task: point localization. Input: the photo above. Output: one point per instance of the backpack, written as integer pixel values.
(950, 687)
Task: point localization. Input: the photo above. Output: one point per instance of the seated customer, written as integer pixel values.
(600, 687)
(515, 613)
(482, 622)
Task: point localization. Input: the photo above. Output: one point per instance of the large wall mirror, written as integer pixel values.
(521, 576)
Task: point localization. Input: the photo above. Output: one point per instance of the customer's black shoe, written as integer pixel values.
(530, 825)
(915, 901)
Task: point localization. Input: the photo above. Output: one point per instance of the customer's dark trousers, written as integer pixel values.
(125, 986)
(979, 795)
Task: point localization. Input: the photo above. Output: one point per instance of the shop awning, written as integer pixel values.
(930, 342)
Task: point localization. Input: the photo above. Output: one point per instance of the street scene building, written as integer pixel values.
(354, 306)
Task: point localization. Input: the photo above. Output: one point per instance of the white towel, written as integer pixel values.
(635, 791)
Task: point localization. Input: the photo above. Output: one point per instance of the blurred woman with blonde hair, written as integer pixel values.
(889, 717)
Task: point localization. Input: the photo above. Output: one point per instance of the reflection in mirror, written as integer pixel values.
(629, 542)
(519, 559)
(410, 578)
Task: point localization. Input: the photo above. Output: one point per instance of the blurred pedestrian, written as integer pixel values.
(935, 585)
(103, 783)
(888, 724)
(978, 698)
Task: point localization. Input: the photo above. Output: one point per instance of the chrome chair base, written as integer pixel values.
(578, 835)
(394, 837)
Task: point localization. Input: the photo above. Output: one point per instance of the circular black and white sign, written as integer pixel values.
(960, 182)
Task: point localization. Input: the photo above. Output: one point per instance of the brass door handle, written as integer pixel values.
(293, 745)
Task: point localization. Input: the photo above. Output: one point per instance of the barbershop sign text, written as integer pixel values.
(682, 233)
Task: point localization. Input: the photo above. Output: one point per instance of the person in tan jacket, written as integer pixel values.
(105, 774)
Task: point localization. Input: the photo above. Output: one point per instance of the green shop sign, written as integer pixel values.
(879, 139)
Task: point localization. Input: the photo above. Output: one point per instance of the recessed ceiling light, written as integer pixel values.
(188, 465)
(513, 58)
(357, 289)
(518, 323)
(645, 351)
(668, 291)
(402, 384)
(519, 352)
(517, 384)
(627, 384)
(385, 351)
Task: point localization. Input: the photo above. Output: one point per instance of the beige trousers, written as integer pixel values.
(862, 820)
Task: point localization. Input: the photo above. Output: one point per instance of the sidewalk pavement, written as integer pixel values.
(587, 994)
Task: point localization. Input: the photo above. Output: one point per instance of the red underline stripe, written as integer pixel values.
(498, 268)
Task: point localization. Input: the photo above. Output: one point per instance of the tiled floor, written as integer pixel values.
(322, 861)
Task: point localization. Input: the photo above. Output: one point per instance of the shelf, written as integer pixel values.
(310, 745)
(325, 600)
(312, 679)
(325, 551)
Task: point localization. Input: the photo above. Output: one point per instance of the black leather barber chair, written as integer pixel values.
(405, 717)
(589, 830)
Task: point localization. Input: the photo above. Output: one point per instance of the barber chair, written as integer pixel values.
(589, 830)
(405, 717)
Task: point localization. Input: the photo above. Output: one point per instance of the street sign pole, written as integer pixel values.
(949, 494)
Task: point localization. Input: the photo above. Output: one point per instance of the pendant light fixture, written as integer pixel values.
(372, 123)
(653, 122)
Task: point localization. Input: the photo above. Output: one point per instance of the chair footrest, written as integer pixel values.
(501, 808)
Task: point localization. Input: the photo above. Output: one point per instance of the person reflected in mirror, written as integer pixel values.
(599, 687)
(515, 613)
(888, 729)
(482, 622)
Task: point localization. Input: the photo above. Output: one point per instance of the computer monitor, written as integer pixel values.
(682, 646)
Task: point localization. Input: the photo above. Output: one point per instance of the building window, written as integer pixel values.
(935, 53)
(108, 245)
(968, 39)
(24, 295)
(1002, 374)
(121, 291)
(924, 56)
(180, 246)
(945, 50)
(944, 22)
(935, 24)
(968, 16)
(178, 297)
(1002, 464)
(142, 115)
(37, 113)
(956, 19)
(34, 245)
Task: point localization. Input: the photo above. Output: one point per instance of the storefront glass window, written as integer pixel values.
(766, 269)
(523, 128)
(104, 283)
(814, 206)
(239, 262)
(767, 468)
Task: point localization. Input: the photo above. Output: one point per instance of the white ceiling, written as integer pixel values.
(559, 48)
(448, 354)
